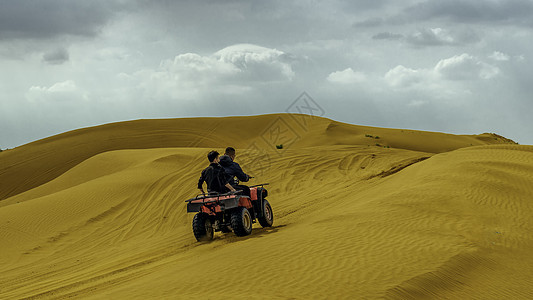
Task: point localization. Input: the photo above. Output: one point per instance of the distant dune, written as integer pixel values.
(360, 212)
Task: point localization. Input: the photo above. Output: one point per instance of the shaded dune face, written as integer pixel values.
(99, 213)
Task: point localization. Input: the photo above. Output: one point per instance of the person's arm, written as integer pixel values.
(240, 173)
(225, 179)
(230, 187)
(201, 182)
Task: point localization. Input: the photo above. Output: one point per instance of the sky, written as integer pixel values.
(455, 66)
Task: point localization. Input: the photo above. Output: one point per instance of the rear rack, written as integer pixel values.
(217, 196)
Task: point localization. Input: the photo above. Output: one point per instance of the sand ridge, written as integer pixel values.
(48, 158)
(352, 219)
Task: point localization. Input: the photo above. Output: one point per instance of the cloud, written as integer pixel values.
(370, 22)
(499, 56)
(517, 12)
(37, 19)
(440, 37)
(259, 63)
(347, 76)
(401, 76)
(56, 57)
(59, 87)
(363, 5)
(234, 69)
(238, 62)
(436, 36)
(60, 91)
(465, 67)
(431, 36)
(387, 36)
(196, 67)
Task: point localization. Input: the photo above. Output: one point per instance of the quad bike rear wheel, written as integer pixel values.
(267, 219)
(241, 221)
(202, 227)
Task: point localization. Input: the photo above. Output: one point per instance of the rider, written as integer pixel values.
(214, 176)
(234, 170)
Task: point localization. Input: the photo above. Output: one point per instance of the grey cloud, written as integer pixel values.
(363, 5)
(56, 57)
(271, 23)
(370, 22)
(432, 37)
(387, 36)
(38, 19)
(442, 37)
(473, 11)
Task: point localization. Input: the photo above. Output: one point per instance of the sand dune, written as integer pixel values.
(48, 158)
(360, 212)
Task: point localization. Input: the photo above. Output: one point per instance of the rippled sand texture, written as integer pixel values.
(360, 212)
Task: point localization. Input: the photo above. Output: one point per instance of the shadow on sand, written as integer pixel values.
(256, 233)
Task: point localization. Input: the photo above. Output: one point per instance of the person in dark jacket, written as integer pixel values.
(214, 176)
(234, 171)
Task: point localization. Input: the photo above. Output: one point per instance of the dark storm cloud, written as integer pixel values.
(516, 12)
(42, 19)
(270, 23)
(232, 22)
(504, 12)
(56, 57)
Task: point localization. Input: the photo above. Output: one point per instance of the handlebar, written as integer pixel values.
(262, 184)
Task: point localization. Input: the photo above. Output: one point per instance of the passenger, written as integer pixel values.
(233, 170)
(214, 176)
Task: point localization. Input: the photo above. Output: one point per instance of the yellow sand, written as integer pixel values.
(99, 213)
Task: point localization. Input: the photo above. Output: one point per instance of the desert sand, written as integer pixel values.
(359, 213)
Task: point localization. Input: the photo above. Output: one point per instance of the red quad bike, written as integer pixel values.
(230, 211)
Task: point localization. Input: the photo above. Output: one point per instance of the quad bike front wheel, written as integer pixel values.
(241, 221)
(267, 219)
(202, 227)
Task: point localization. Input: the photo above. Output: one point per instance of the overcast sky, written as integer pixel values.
(457, 66)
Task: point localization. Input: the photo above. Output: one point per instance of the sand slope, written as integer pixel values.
(423, 218)
(48, 158)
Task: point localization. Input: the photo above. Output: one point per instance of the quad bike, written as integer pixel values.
(230, 212)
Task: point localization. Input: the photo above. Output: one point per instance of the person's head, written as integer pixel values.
(230, 151)
(213, 156)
